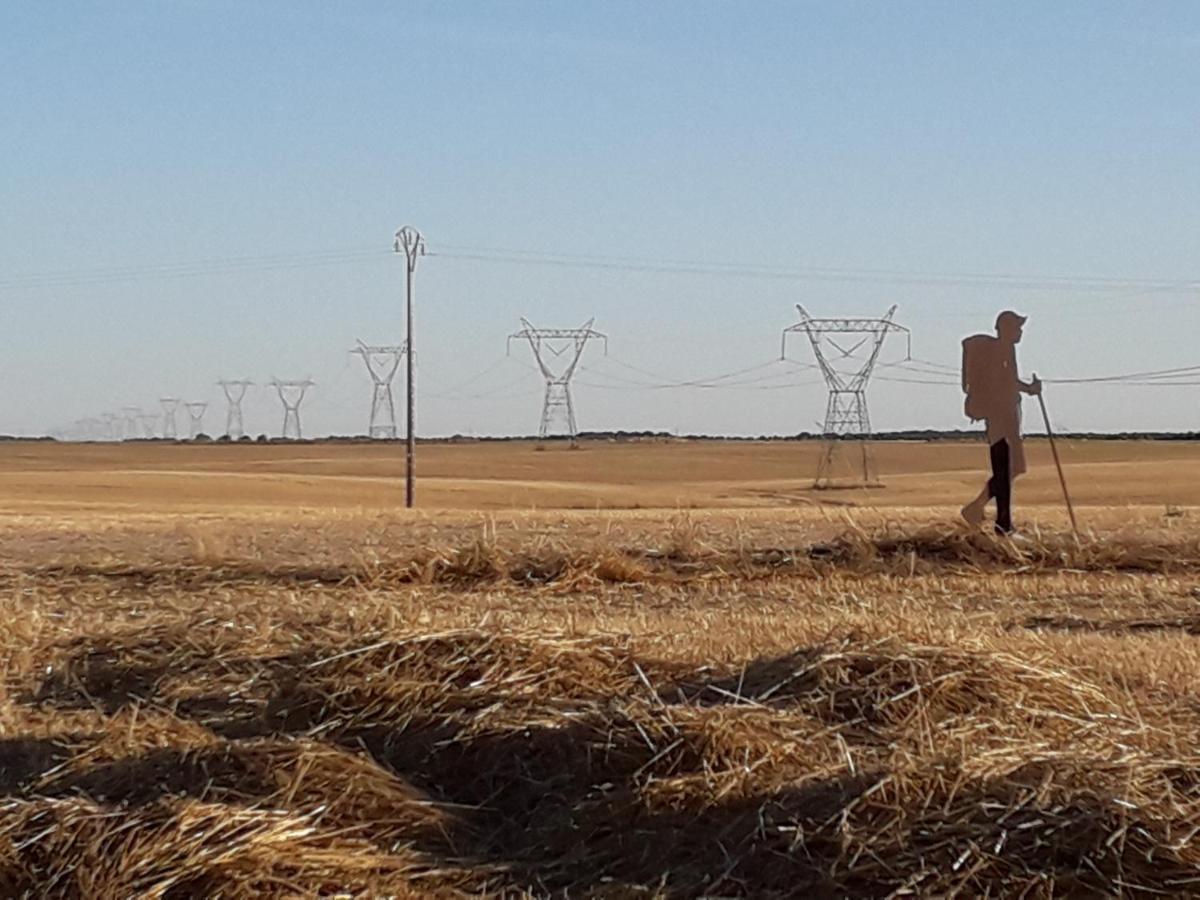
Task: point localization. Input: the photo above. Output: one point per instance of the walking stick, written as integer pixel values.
(1058, 465)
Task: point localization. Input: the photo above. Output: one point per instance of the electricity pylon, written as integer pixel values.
(568, 343)
(170, 428)
(129, 422)
(112, 426)
(196, 410)
(382, 363)
(291, 395)
(90, 429)
(235, 392)
(846, 414)
(148, 421)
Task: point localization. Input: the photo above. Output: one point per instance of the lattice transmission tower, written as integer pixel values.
(382, 364)
(170, 428)
(129, 422)
(846, 416)
(568, 345)
(91, 429)
(149, 422)
(291, 395)
(235, 393)
(112, 426)
(196, 410)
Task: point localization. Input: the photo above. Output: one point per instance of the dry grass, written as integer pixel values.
(668, 705)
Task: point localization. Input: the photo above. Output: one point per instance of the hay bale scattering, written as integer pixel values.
(240, 728)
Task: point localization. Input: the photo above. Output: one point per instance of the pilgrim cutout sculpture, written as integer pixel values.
(993, 389)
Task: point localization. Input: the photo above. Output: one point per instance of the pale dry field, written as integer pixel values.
(628, 670)
(146, 478)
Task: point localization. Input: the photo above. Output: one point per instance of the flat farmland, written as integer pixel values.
(630, 670)
(148, 477)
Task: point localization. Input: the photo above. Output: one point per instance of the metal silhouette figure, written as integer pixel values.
(994, 388)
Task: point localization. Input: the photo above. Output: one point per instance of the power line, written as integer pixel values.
(1161, 373)
(194, 268)
(1156, 378)
(1150, 383)
(728, 387)
(1016, 281)
(916, 363)
(264, 262)
(491, 392)
(663, 383)
(454, 389)
(893, 378)
(727, 380)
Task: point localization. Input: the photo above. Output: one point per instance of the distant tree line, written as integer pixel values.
(612, 436)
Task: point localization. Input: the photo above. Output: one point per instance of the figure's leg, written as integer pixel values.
(973, 511)
(1001, 487)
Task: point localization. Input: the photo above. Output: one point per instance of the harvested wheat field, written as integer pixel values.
(243, 672)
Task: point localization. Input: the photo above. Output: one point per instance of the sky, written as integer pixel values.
(192, 191)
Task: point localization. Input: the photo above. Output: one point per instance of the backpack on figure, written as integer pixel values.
(976, 350)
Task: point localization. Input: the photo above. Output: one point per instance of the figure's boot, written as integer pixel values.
(972, 513)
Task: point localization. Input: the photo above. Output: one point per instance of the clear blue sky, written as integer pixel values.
(1006, 138)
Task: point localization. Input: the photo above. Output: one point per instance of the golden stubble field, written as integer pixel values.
(157, 477)
(629, 670)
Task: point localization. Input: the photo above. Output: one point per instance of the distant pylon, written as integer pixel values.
(291, 395)
(382, 363)
(91, 429)
(846, 409)
(148, 422)
(196, 410)
(235, 392)
(170, 428)
(129, 422)
(112, 426)
(558, 342)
